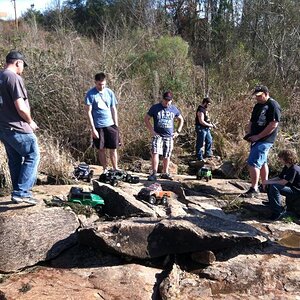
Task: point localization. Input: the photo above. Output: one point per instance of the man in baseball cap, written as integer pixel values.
(17, 130)
(262, 132)
(15, 55)
(164, 114)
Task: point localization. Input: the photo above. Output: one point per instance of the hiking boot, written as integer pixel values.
(152, 177)
(29, 200)
(166, 176)
(252, 192)
(278, 216)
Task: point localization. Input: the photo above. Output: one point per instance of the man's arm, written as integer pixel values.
(24, 112)
(147, 119)
(275, 181)
(180, 125)
(88, 109)
(268, 130)
(200, 116)
(249, 128)
(114, 114)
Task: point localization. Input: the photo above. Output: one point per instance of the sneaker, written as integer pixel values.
(29, 200)
(152, 177)
(278, 216)
(252, 192)
(166, 176)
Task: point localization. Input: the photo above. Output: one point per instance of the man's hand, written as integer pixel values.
(33, 125)
(253, 138)
(95, 134)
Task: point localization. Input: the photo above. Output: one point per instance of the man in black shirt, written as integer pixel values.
(287, 183)
(262, 132)
(203, 126)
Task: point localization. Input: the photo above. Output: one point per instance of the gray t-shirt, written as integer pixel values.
(11, 89)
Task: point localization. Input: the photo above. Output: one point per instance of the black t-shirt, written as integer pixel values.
(262, 115)
(206, 116)
(292, 175)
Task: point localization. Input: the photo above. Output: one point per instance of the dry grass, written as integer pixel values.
(56, 161)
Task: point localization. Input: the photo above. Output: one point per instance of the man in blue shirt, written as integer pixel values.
(101, 107)
(162, 130)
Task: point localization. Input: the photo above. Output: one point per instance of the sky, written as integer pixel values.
(7, 6)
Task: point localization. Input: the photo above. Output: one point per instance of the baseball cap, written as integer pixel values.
(15, 55)
(260, 89)
(168, 95)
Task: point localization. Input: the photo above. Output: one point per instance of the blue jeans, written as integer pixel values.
(23, 159)
(274, 195)
(204, 138)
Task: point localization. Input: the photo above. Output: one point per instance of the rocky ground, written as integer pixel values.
(206, 243)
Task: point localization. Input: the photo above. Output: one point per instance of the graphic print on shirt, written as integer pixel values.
(100, 102)
(262, 119)
(165, 119)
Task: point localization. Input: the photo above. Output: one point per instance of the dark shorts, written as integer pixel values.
(108, 138)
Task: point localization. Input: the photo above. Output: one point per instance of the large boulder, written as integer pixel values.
(149, 238)
(29, 235)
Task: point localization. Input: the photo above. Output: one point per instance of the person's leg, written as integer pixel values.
(14, 164)
(292, 197)
(154, 164)
(264, 172)
(257, 163)
(31, 158)
(100, 145)
(156, 149)
(293, 202)
(208, 144)
(254, 176)
(166, 164)
(111, 142)
(274, 196)
(114, 158)
(168, 144)
(102, 158)
(200, 142)
(23, 154)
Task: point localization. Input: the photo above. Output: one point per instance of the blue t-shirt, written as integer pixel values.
(101, 102)
(163, 118)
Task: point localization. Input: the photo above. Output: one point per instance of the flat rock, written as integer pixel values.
(117, 282)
